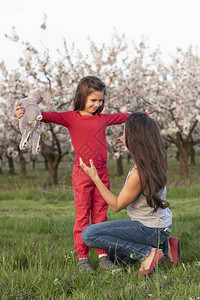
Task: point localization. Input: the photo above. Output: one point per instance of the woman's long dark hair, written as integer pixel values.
(86, 86)
(145, 144)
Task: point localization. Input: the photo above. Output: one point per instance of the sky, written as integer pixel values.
(167, 24)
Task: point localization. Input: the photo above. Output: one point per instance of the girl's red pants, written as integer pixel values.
(88, 204)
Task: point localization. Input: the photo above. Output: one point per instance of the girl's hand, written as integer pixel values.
(92, 172)
(120, 140)
(18, 111)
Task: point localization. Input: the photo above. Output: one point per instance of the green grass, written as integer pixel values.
(37, 258)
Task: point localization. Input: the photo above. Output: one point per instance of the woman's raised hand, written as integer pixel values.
(92, 171)
(18, 111)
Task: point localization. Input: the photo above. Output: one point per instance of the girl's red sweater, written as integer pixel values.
(88, 133)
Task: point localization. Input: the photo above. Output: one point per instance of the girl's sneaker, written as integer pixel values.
(84, 265)
(107, 265)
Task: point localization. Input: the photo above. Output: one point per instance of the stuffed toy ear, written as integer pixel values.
(36, 94)
(48, 100)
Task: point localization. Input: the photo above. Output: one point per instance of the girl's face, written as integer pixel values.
(93, 102)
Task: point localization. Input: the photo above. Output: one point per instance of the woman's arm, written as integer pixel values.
(128, 194)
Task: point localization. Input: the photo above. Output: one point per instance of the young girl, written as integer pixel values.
(144, 195)
(87, 127)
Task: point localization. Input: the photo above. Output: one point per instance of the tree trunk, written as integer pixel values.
(120, 170)
(1, 171)
(22, 163)
(33, 164)
(33, 160)
(53, 172)
(192, 156)
(177, 155)
(128, 158)
(46, 164)
(52, 160)
(52, 154)
(11, 169)
(183, 160)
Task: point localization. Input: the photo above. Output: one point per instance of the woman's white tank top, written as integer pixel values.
(139, 210)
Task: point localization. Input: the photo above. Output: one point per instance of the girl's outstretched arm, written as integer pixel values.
(128, 194)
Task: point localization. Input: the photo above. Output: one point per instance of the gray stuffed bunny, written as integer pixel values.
(29, 123)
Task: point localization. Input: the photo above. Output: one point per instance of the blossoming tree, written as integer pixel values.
(174, 96)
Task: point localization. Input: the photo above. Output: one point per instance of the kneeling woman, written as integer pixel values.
(146, 235)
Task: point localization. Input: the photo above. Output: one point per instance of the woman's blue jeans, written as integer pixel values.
(126, 238)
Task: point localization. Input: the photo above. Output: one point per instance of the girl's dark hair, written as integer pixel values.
(86, 86)
(143, 140)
